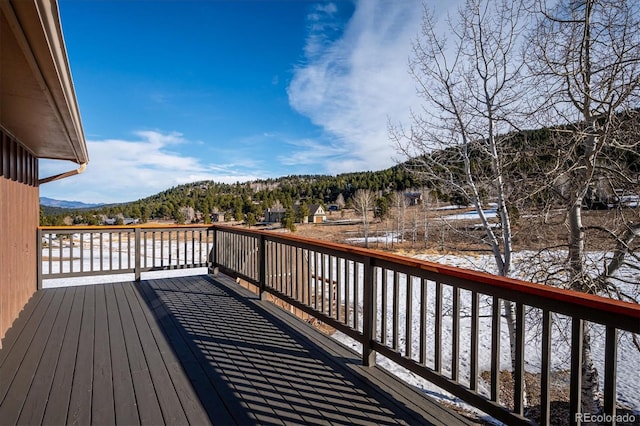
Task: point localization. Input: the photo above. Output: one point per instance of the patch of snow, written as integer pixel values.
(473, 215)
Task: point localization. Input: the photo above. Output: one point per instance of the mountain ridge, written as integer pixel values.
(66, 204)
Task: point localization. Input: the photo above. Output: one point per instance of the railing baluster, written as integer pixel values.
(262, 265)
(396, 307)
(473, 369)
(281, 269)
(495, 348)
(437, 358)
(339, 283)
(129, 254)
(39, 247)
(120, 250)
(408, 317)
(193, 249)
(309, 276)
(178, 260)
(368, 316)
(383, 332)
(71, 253)
(60, 251)
(91, 263)
(423, 321)
(545, 403)
(137, 242)
(331, 285)
(610, 367)
(575, 387)
(101, 251)
(455, 340)
(322, 283)
(290, 270)
(50, 253)
(518, 391)
(153, 250)
(356, 294)
(81, 251)
(316, 267)
(110, 252)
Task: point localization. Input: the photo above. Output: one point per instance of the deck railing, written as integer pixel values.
(436, 321)
(72, 251)
(431, 318)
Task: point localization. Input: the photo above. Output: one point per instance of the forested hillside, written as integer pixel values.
(242, 201)
(531, 155)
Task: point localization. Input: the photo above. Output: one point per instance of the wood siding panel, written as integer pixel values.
(19, 216)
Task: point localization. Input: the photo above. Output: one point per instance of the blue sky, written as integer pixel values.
(172, 92)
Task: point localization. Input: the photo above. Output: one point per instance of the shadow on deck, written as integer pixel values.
(188, 350)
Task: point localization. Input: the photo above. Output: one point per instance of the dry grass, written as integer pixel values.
(456, 236)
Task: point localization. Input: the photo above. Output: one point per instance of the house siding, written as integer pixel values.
(19, 216)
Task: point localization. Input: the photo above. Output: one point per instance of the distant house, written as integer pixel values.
(125, 221)
(413, 198)
(274, 215)
(217, 217)
(317, 214)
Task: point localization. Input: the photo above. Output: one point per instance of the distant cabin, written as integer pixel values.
(217, 217)
(413, 198)
(317, 214)
(274, 215)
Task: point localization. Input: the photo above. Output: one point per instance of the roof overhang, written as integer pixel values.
(38, 104)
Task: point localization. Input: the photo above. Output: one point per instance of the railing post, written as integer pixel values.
(368, 315)
(262, 260)
(610, 351)
(575, 387)
(213, 259)
(138, 245)
(39, 259)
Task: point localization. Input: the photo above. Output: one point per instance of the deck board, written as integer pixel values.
(168, 400)
(145, 393)
(191, 350)
(103, 404)
(19, 324)
(79, 412)
(60, 394)
(190, 360)
(191, 405)
(22, 369)
(36, 400)
(123, 393)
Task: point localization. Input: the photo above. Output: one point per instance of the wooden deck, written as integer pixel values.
(188, 351)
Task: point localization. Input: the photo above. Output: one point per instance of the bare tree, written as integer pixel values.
(400, 203)
(426, 199)
(585, 56)
(363, 201)
(470, 83)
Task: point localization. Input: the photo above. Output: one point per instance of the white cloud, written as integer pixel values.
(307, 151)
(352, 86)
(126, 170)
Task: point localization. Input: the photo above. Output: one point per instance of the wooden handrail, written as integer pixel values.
(557, 294)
